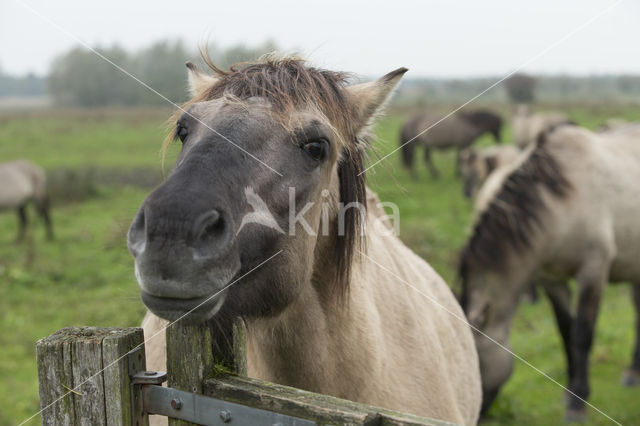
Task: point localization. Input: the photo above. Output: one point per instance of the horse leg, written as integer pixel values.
(592, 278)
(408, 148)
(458, 169)
(559, 295)
(632, 375)
(23, 220)
(531, 293)
(43, 210)
(429, 162)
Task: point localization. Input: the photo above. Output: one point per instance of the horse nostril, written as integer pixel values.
(205, 223)
(211, 234)
(136, 237)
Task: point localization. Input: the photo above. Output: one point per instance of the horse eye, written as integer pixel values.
(181, 132)
(316, 149)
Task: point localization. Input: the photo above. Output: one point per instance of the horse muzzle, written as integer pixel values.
(193, 310)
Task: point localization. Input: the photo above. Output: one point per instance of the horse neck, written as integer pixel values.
(294, 347)
(479, 129)
(308, 345)
(518, 273)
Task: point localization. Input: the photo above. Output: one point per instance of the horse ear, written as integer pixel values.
(198, 80)
(370, 98)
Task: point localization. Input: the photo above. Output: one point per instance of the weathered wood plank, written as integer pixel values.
(189, 359)
(196, 352)
(117, 384)
(287, 400)
(75, 388)
(323, 409)
(396, 418)
(86, 352)
(189, 356)
(53, 355)
(239, 355)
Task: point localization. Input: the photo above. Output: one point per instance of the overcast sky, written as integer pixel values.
(440, 38)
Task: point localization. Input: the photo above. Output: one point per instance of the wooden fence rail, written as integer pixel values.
(75, 387)
(93, 376)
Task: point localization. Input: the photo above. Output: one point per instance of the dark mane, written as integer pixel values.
(289, 83)
(514, 214)
(483, 119)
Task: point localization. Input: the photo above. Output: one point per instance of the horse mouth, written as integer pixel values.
(193, 310)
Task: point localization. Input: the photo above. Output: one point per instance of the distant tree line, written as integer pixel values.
(79, 77)
(522, 88)
(28, 85)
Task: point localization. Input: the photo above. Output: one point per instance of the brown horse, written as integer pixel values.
(458, 131)
(22, 182)
(567, 209)
(268, 191)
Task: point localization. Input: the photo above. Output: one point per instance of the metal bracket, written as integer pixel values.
(139, 378)
(149, 378)
(148, 396)
(207, 411)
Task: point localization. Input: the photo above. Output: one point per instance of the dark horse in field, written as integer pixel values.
(322, 291)
(458, 131)
(21, 183)
(569, 209)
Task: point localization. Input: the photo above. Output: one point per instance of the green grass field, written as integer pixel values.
(85, 276)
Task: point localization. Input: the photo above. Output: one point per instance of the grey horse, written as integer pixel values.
(22, 182)
(433, 131)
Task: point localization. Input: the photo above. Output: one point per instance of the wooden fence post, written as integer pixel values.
(197, 352)
(83, 375)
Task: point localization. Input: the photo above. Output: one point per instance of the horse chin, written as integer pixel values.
(187, 311)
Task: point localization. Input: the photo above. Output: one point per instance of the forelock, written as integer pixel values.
(289, 84)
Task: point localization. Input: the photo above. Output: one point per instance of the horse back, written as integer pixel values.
(601, 209)
(20, 181)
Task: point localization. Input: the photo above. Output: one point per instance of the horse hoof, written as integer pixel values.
(575, 416)
(631, 378)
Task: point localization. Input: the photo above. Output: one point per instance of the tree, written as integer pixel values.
(81, 78)
(26, 85)
(521, 88)
(161, 66)
(628, 83)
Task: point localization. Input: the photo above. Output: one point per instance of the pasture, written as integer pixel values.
(85, 276)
